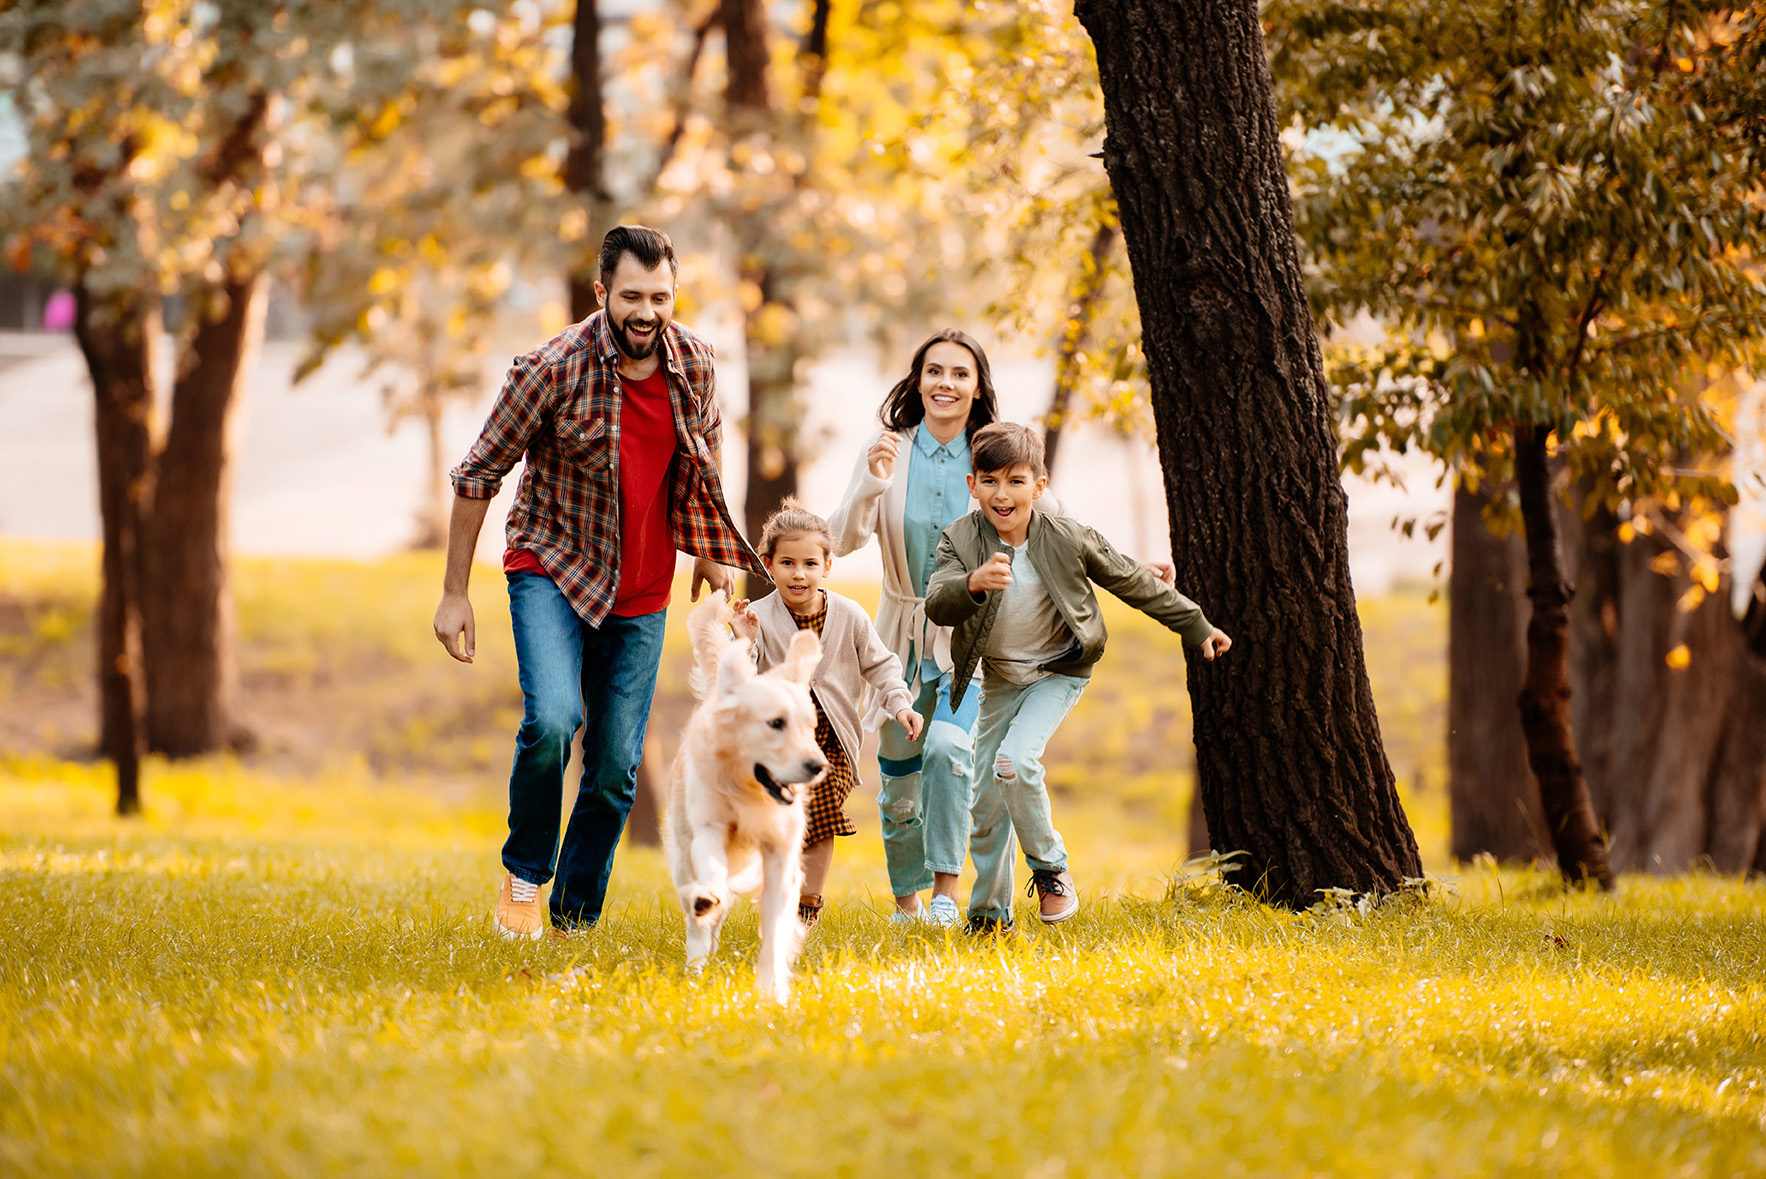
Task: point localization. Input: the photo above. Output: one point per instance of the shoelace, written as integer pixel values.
(1048, 883)
(521, 892)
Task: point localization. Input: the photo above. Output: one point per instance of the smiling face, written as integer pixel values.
(640, 305)
(947, 388)
(1005, 497)
(797, 565)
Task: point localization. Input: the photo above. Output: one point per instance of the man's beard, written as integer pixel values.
(633, 350)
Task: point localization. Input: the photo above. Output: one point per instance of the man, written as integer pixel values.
(619, 422)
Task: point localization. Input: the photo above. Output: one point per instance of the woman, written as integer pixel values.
(910, 483)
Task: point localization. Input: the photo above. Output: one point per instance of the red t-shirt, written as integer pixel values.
(647, 447)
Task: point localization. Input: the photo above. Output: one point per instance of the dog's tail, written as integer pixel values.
(706, 624)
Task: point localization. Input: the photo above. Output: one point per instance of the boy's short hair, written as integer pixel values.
(1000, 446)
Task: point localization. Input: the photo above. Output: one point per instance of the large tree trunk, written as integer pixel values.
(1493, 804)
(187, 600)
(1074, 336)
(1675, 755)
(1289, 758)
(119, 338)
(1545, 692)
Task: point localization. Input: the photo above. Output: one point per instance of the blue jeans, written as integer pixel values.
(927, 789)
(1015, 726)
(571, 671)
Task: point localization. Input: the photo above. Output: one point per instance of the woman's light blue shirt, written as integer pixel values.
(937, 497)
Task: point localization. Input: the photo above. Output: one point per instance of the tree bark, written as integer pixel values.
(1289, 758)
(1088, 286)
(584, 173)
(119, 338)
(1492, 802)
(1676, 767)
(769, 327)
(1545, 692)
(187, 600)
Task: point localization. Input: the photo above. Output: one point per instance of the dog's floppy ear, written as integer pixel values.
(735, 667)
(801, 659)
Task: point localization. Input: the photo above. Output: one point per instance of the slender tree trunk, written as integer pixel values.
(119, 339)
(770, 320)
(1492, 801)
(1082, 309)
(438, 495)
(1289, 758)
(187, 600)
(1545, 694)
(584, 172)
(585, 175)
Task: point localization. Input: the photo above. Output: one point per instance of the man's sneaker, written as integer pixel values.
(1058, 900)
(942, 912)
(981, 925)
(519, 911)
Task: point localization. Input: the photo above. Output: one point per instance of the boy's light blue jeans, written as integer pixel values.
(925, 799)
(571, 672)
(1016, 723)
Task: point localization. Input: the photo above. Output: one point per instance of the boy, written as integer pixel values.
(1016, 585)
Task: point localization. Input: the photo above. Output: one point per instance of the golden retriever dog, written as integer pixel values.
(736, 794)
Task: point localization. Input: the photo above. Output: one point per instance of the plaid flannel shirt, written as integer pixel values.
(560, 407)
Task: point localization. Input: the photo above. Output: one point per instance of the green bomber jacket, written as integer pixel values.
(1069, 556)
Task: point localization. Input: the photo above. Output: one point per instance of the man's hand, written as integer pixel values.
(1216, 644)
(745, 622)
(452, 617)
(995, 575)
(1163, 571)
(709, 575)
(910, 720)
(881, 457)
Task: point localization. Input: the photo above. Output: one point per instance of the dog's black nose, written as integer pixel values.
(813, 765)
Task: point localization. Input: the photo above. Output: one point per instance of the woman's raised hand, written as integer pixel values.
(881, 458)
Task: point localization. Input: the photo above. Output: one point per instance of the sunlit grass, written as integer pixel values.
(277, 978)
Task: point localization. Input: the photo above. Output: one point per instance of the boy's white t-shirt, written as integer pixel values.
(1028, 631)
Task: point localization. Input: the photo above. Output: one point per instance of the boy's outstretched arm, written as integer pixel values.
(948, 600)
(1135, 584)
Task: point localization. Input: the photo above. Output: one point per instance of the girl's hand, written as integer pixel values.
(745, 622)
(1216, 644)
(881, 457)
(995, 575)
(910, 720)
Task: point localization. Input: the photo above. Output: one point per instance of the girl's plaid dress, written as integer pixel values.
(826, 813)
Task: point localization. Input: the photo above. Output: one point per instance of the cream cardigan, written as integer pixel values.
(855, 664)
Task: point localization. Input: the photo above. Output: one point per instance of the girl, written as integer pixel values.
(797, 549)
(909, 484)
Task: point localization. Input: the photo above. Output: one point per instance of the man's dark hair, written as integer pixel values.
(999, 446)
(650, 247)
(903, 408)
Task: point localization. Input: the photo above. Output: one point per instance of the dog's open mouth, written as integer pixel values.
(783, 795)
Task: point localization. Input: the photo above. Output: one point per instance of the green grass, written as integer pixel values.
(287, 979)
(340, 671)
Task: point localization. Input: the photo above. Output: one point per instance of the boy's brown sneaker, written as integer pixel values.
(1057, 898)
(520, 912)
